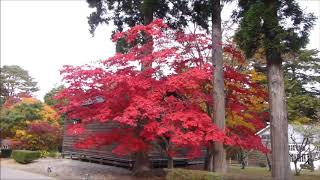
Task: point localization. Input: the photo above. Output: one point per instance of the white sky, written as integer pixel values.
(41, 36)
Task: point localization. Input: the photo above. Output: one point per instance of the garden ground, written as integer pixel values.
(235, 172)
(72, 169)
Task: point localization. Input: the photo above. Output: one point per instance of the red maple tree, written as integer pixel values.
(169, 102)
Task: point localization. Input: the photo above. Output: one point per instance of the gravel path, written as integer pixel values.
(71, 169)
(14, 174)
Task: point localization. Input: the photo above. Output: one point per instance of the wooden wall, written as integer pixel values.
(104, 154)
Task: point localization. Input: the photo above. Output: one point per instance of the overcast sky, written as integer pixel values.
(41, 36)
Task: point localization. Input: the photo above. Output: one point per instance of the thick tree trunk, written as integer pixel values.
(219, 154)
(278, 117)
(277, 103)
(142, 164)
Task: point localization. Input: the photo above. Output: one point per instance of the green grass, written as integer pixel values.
(185, 174)
(235, 172)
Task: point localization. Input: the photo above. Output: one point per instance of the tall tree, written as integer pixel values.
(219, 159)
(137, 12)
(15, 80)
(176, 15)
(129, 13)
(262, 25)
(149, 105)
(202, 12)
(302, 86)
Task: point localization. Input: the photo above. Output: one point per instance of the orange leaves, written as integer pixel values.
(49, 114)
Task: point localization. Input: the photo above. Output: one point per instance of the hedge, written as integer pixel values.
(185, 174)
(25, 156)
(6, 153)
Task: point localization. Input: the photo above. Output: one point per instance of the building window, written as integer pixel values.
(303, 158)
(300, 148)
(265, 136)
(292, 157)
(292, 147)
(5, 146)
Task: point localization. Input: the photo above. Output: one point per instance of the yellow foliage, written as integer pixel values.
(20, 133)
(46, 112)
(49, 114)
(233, 119)
(257, 76)
(260, 55)
(28, 100)
(301, 120)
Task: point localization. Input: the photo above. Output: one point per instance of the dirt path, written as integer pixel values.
(71, 169)
(14, 174)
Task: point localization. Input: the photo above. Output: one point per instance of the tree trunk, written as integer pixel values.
(310, 161)
(147, 18)
(242, 159)
(219, 154)
(170, 162)
(296, 168)
(278, 117)
(147, 11)
(142, 164)
(278, 112)
(268, 162)
(311, 165)
(208, 164)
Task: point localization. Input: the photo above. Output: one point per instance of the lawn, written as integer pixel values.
(249, 173)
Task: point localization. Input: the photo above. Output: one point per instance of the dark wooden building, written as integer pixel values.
(104, 155)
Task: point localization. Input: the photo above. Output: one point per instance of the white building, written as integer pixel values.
(295, 140)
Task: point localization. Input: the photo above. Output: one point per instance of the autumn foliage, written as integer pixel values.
(39, 135)
(30, 124)
(169, 102)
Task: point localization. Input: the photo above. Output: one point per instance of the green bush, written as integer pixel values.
(6, 153)
(53, 154)
(185, 174)
(25, 156)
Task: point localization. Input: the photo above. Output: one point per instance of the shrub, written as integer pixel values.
(184, 174)
(40, 135)
(53, 154)
(25, 156)
(44, 154)
(6, 153)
